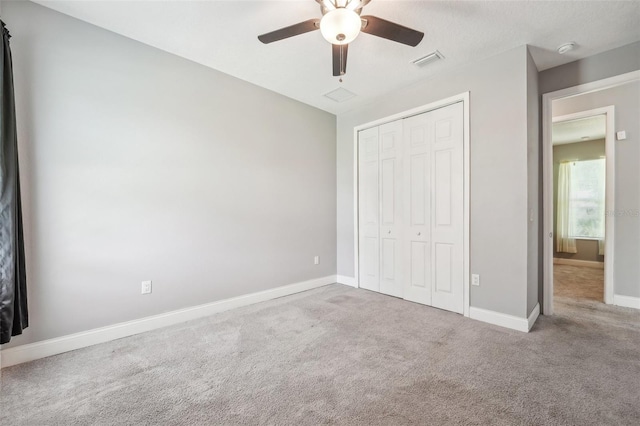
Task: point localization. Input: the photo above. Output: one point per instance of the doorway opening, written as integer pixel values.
(579, 205)
(577, 236)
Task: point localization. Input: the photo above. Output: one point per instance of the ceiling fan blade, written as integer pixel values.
(339, 59)
(290, 31)
(391, 31)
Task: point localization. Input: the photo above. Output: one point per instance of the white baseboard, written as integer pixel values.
(576, 262)
(533, 316)
(350, 281)
(626, 301)
(45, 348)
(505, 320)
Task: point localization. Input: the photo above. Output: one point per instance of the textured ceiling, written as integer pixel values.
(582, 129)
(222, 35)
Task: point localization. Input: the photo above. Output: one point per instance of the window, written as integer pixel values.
(586, 199)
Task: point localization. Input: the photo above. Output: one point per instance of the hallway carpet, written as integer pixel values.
(337, 355)
(578, 283)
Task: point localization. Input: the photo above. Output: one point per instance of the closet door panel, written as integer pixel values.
(391, 208)
(447, 214)
(369, 209)
(416, 241)
(442, 187)
(419, 264)
(443, 267)
(418, 191)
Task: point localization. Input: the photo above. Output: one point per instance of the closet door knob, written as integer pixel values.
(389, 231)
(418, 234)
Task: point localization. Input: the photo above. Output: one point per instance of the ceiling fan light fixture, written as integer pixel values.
(340, 26)
(328, 4)
(354, 5)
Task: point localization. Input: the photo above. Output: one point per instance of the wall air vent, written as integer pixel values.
(430, 58)
(340, 95)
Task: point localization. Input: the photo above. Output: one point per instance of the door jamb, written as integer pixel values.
(547, 177)
(464, 98)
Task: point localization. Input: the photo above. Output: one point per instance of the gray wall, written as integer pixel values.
(597, 67)
(626, 99)
(499, 175)
(137, 164)
(534, 261)
(589, 150)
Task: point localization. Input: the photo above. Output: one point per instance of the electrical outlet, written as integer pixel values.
(316, 260)
(146, 287)
(475, 279)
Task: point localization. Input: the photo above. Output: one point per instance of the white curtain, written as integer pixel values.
(564, 244)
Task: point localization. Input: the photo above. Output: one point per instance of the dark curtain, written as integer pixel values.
(13, 284)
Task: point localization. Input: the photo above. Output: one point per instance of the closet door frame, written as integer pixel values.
(462, 97)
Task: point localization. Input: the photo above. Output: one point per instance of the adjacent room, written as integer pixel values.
(595, 197)
(579, 173)
(350, 212)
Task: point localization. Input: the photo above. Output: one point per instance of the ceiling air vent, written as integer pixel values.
(340, 95)
(430, 58)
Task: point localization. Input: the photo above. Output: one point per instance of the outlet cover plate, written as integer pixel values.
(475, 279)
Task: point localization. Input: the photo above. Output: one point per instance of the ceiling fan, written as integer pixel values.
(340, 25)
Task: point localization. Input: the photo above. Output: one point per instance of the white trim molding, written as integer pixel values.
(577, 262)
(350, 281)
(505, 320)
(45, 348)
(626, 301)
(533, 316)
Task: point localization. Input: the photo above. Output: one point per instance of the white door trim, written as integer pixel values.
(547, 176)
(462, 97)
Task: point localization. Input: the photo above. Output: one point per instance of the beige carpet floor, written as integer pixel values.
(337, 355)
(579, 283)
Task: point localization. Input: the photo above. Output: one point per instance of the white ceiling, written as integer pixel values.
(579, 130)
(222, 35)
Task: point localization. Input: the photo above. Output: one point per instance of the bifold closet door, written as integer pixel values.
(434, 222)
(447, 212)
(391, 211)
(417, 241)
(411, 208)
(368, 209)
(380, 208)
